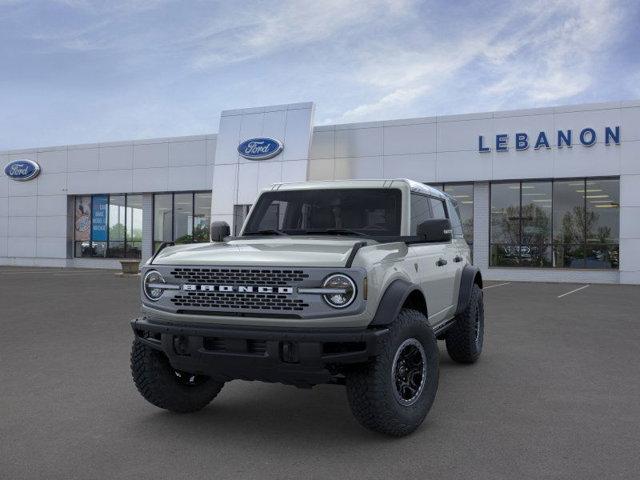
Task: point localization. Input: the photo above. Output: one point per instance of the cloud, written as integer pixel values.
(541, 53)
(555, 63)
(255, 33)
(125, 69)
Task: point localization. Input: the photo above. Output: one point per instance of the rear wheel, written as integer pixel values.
(465, 338)
(394, 392)
(165, 387)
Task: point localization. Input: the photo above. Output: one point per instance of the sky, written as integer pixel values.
(79, 71)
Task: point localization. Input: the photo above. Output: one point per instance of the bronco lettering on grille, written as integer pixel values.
(237, 289)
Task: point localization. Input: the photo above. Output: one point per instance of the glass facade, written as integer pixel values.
(108, 226)
(181, 217)
(561, 224)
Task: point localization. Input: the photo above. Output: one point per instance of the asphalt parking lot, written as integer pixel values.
(555, 395)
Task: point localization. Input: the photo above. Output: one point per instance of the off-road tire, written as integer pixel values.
(464, 342)
(158, 383)
(370, 387)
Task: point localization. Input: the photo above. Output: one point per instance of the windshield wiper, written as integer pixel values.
(336, 231)
(266, 232)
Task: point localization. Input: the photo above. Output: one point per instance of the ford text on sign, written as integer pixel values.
(260, 148)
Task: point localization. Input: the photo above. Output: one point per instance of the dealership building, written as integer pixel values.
(547, 194)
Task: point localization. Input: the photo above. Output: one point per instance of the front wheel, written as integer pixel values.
(165, 387)
(394, 392)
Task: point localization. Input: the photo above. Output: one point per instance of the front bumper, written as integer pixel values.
(298, 357)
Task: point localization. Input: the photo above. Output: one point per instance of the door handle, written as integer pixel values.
(441, 262)
(457, 258)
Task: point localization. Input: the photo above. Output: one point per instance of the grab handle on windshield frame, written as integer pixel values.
(356, 246)
(162, 246)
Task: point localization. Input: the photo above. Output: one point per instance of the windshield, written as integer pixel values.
(357, 211)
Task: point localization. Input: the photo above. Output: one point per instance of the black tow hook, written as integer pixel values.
(289, 352)
(181, 344)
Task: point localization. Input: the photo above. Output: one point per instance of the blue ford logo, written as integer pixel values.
(260, 148)
(22, 170)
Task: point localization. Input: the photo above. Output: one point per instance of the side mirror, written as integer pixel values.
(435, 230)
(219, 230)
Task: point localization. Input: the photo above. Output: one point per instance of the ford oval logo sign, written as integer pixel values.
(22, 170)
(260, 148)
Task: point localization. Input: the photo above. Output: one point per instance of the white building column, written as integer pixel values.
(630, 229)
(236, 180)
(147, 227)
(481, 217)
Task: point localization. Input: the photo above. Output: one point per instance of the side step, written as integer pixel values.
(441, 329)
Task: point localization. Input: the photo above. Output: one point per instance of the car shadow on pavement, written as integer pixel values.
(272, 412)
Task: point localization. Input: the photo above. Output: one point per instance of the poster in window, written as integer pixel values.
(83, 219)
(99, 218)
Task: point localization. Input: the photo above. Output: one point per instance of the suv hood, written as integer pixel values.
(286, 251)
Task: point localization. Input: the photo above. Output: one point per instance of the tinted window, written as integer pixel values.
(454, 216)
(367, 211)
(420, 211)
(462, 195)
(437, 208)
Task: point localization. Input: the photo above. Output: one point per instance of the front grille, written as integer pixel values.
(237, 276)
(238, 301)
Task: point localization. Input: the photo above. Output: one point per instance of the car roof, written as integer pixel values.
(402, 183)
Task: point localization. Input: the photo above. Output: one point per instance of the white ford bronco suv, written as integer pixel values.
(344, 282)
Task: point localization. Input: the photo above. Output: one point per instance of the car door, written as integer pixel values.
(449, 264)
(462, 256)
(431, 269)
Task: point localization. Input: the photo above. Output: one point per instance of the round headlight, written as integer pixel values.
(344, 290)
(152, 285)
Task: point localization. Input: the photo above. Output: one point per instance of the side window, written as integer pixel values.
(437, 206)
(420, 211)
(454, 215)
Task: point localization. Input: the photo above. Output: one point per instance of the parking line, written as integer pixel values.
(497, 285)
(573, 291)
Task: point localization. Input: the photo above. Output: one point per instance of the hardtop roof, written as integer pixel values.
(411, 185)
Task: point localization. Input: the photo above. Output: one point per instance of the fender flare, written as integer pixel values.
(392, 301)
(468, 278)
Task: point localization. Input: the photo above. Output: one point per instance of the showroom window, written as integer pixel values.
(562, 224)
(108, 226)
(181, 217)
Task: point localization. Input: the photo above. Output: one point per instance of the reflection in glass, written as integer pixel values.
(82, 226)
(240, 213)
(463, 194)
(564, 224)
(201, 217)
(568, 212)
(117, 219)
(505, 224)
(603, 211)
(568, 256)
(183, 217)
(162, 219)
(134, 226)
(420, 211)
(535, 215)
